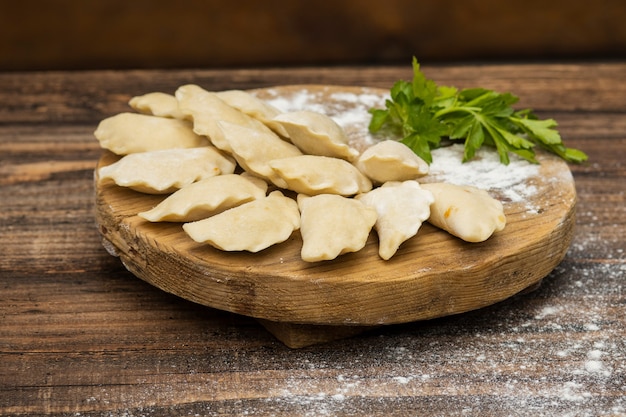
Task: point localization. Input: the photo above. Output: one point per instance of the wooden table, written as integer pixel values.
(81, 336)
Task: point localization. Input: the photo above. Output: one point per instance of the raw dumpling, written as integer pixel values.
(206, 198)
(464, 211)
(332, 225)
(402, 207)
(254, 149)
(316, 134)
(165, 171)
(250, 227)
(391, 160)
(253, 107)
(127, 133)
(313, 174)
(157, 104)
(206, 110)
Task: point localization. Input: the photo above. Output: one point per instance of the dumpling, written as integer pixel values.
(391, 160)
(206, 110)
(253, 107)
(316, 134)
(332, 225)
(313, 174)
(206, 198)
(127, 133)
(249, 104)
(250, 227)
(254, 149)
(157, 104)
(165, 171)
(465, 211)
(401, 207)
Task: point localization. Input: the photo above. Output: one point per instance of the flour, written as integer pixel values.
(485, 171)
(547, 311)
(345, 107)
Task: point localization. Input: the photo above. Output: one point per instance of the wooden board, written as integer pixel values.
(433, 275)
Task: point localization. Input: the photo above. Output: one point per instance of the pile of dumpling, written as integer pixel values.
(242, 176)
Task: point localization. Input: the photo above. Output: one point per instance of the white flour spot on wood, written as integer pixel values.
(547, 311)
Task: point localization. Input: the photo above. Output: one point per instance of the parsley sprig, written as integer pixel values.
(422, 114)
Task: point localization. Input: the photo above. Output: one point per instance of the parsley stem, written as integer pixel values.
(447, 110)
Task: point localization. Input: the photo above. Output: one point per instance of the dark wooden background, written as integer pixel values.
(67, 34)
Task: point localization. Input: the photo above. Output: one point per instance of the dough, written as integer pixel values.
(312, 175)
(206, 198)
(401, 207)
(391, 160)
(165, 171)
(332, 225)
(254, 107)
(254, 149)
(127, 133)
(206, 110)
(465, 212)
(157, 104)
(251, 227)
(316, 134)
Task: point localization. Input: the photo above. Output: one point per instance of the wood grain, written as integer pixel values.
(117, 34)
(80, 335)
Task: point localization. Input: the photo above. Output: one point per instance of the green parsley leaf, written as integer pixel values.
(422, 114)
(424, 89)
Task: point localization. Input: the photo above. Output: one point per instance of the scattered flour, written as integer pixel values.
(402, 379)
(595, 365)
(547, 311)
(485, 171)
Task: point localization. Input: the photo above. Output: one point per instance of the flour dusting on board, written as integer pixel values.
(348, 109)
(351, 111)
(485, 171)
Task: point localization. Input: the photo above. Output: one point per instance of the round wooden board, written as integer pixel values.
(433, 274)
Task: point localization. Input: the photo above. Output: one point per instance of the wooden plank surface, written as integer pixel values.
(70, 34)
(81, 336)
